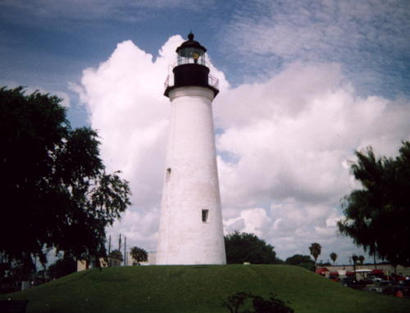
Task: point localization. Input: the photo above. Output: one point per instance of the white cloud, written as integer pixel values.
(254, 220)
(293, 134)
(284, 145)
(292, 138)
(139, 227)
(126, 105)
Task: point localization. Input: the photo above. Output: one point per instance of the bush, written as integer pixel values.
(260, 305)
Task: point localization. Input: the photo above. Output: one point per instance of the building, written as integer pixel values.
(83, 265)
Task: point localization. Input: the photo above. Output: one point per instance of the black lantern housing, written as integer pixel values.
(191, 69)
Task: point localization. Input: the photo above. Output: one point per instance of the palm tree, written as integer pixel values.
(315, 250)
(361, 259)
(354, 259)
(333, 257)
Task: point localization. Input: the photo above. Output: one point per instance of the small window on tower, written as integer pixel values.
(168, 174)
(205, 216)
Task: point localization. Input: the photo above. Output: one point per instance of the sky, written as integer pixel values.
(303, 85)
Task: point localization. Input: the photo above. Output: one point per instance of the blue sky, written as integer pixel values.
(301, 75)
(48, 43)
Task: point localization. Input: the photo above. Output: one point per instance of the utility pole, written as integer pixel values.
(125, 251)
(109, 245)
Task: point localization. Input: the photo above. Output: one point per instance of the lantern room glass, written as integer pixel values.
(191, 55)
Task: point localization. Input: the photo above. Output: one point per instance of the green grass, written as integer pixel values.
(200, 289)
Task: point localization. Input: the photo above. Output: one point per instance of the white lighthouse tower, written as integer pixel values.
(190, 229)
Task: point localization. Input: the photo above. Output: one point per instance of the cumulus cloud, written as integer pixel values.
(287, 144)
(253, 220)
(139, 227)
(284, 145)
(293, 134)
(126, 106)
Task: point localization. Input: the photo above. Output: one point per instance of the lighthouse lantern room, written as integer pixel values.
(191, 69)
(191, 51)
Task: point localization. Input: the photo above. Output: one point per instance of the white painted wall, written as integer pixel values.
(191, 184)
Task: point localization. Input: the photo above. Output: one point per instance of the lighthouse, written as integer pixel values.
(190, 230)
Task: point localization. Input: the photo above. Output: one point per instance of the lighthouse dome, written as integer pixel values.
(190, 45)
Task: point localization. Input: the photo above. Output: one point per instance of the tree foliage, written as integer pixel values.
(139, 254)
(301, 260)
(315, 250)
(117, 255)
(53, 184)
(244, 247)
(377, 215)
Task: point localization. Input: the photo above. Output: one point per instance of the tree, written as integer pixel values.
(333, 257)
(117, 255)
(53, 181)
(361, 259)
(301, 260)
(315, 250)
(244, 247)
(377, 215)
(139, 255)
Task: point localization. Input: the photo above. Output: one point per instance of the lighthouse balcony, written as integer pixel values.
(189, 74)
(212, 81)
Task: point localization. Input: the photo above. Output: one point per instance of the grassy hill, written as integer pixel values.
(195, 289)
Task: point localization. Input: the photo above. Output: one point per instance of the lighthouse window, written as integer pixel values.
(168, 174)
(205, 216)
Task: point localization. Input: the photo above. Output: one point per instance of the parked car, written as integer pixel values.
(351, 282)
(381, 286)
(334, 276)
